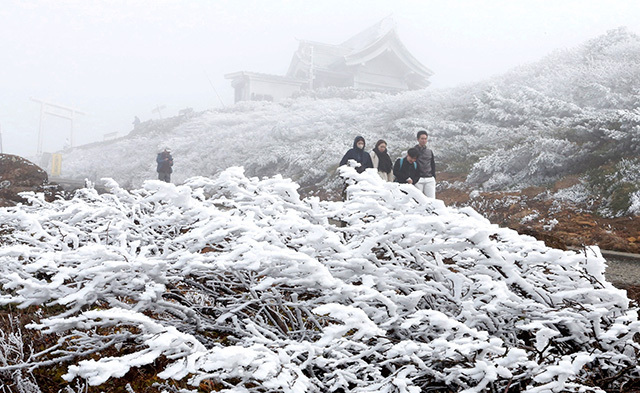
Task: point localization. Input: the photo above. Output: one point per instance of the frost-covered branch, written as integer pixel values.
(239, 281)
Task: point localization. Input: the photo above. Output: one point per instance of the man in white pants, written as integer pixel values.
(426, 166)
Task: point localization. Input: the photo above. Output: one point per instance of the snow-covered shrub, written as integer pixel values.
(616, 184)
(634, 207)
(238, 281)
(616, 133)
(578, 194)
(519, 105)
(529, 217)
(14, 352)
(627, 171)
(550, 224)
(530, 163)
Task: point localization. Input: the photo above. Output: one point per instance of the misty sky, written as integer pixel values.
(114, 60)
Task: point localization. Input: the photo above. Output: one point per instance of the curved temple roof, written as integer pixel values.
(365, 46)
(389, 42)
(372, 59)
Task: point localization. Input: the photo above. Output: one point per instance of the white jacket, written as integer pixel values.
(385, 176)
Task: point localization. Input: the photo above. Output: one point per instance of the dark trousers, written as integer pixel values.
(164, 176)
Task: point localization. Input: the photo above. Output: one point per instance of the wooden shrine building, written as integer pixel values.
(374, 59)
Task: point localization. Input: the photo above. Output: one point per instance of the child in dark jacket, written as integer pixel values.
(405, 169)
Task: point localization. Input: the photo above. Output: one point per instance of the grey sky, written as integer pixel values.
(115, 60)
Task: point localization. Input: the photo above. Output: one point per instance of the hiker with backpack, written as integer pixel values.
(405, 169)
(165, 162)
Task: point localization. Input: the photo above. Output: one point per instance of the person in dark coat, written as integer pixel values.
(165, 162)
(405, 169)
(358, 154)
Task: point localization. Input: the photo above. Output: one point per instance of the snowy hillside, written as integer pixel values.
(303, 139)
(573, 113)
(235, 284)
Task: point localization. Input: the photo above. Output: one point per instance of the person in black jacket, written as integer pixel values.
(405, 169)
(358, 154)
(165, 162)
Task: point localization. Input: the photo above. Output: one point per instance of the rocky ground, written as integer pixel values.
(19, 175)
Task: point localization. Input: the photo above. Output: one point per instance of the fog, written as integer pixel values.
(114, 60)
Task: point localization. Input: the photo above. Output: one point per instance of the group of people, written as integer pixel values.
(418, 167)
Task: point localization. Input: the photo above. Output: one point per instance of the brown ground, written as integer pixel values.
(575, 227)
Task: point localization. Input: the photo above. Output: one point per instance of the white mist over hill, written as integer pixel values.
(117, 60)
(572, 113)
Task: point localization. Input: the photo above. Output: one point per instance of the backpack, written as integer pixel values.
(415, 164)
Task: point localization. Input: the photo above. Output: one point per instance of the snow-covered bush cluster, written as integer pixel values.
(570, 113)
(238, 281)
(532, 162)
(618, 184)
(634, 206)
(578, 194)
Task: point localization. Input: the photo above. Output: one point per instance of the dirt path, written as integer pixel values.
(623, 271)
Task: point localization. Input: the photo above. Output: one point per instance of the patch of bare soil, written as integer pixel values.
(558, 225)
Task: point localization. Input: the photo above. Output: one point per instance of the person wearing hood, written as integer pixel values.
(165, 162)
(381, 160)
(358, 154)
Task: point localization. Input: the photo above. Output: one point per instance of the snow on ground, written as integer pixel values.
(239, 281)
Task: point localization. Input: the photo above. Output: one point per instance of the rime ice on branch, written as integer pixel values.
(238, 281)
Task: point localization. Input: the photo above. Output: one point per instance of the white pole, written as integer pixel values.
(214, 88)
(39, 148)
